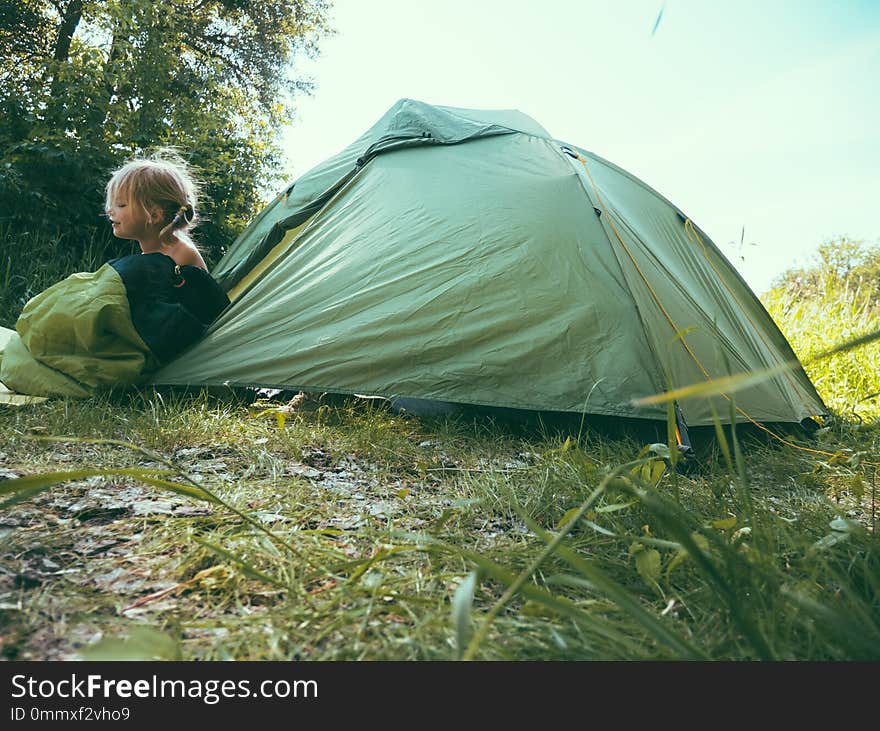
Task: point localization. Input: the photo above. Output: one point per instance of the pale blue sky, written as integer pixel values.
(748, 113)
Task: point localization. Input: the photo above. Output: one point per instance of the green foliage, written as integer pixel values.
(835, 300)
(85, 85)
(841, 264)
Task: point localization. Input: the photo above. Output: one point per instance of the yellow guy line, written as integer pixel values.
(694, 235)
(675, 329)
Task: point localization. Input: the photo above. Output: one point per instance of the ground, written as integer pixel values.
(347, 534)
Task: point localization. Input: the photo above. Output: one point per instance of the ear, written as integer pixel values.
(154, 214)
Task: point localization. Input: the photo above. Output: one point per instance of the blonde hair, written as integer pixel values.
(160, 180)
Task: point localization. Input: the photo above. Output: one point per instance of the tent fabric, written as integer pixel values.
(407, 123)
(466, 256)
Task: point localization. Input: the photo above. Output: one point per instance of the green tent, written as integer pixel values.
(467, 256)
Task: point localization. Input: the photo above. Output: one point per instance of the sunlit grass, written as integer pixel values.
(820, 309)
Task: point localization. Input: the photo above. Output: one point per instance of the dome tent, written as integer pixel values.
(467, 256)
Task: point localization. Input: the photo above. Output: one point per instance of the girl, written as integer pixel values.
(120, 324)
(154, 201)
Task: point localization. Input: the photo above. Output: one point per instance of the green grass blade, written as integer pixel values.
(22, 488)
(740, 462)
(723, 386)
(676, 521)
(857, 643)
(558, 604)
(595, 576)
(722, 439)
(462, 611)
(727, 385)
(548, 550)
(247, 569)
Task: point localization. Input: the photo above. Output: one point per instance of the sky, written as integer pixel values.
(759, 120)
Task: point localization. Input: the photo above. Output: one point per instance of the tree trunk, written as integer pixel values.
(69, 22)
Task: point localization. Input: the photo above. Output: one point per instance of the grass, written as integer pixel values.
(31, 261)
(822, 306)
(397, 538)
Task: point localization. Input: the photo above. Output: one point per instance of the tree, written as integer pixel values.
(840, 265)
(85, 84)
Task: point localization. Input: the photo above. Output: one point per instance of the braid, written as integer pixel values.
(182, 219)
(184, 212)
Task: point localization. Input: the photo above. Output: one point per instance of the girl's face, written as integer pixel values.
(128, 219)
